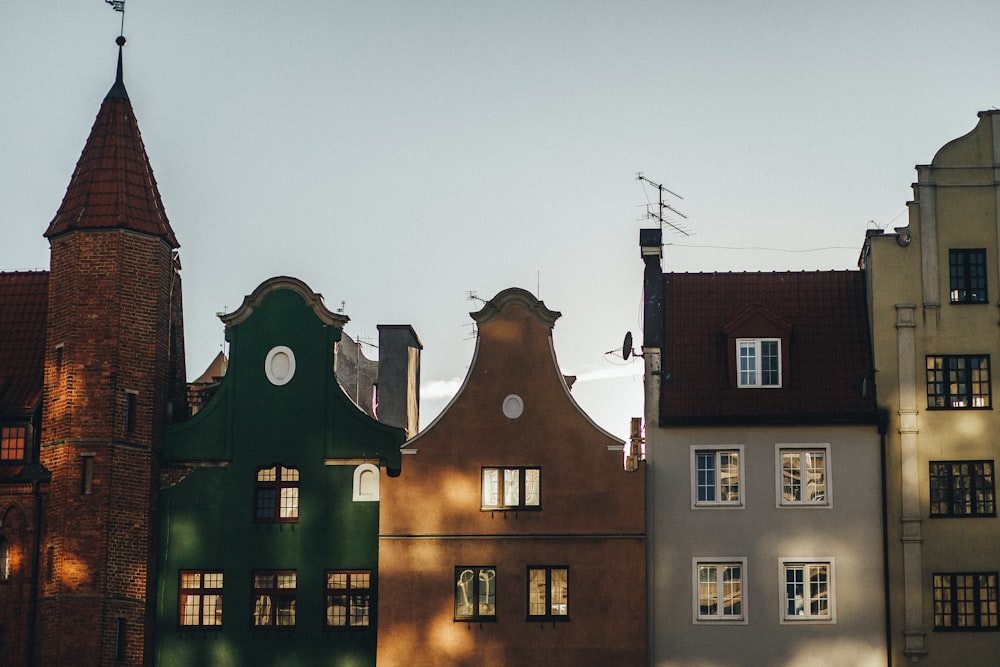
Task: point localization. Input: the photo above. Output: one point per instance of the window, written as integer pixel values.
(803, 476)
(719, 590)
(968, 275)
(12, 439)
(548, 593)
(277, 496)
(759, 362)
(475, 593)
(4, 559)
(348, 599)
(200, 599)
(958, 381)
(511, 488)
(274, 598)
(966, 601)
(808, 593)
(717, 474)
(130, 404)
(121, 625)
(962, 488)
(87, 474)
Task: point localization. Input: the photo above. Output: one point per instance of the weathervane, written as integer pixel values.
(119, 6)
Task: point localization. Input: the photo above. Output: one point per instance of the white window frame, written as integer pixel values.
(696, 450)
(779, 450)
(806, 618)
(755, 345)
(717, 619)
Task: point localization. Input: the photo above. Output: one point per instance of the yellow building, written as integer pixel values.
(933, 294)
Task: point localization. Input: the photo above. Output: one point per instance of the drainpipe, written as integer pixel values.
(883, 427)
(36, 558)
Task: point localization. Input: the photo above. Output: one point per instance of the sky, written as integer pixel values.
(408, 160)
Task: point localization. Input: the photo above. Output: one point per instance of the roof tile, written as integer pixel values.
(829, 375)
(23, 309)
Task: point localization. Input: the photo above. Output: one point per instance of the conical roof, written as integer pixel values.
(113, 185)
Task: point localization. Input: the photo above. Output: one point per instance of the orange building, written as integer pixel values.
(514, 535)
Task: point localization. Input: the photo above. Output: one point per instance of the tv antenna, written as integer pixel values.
(659, 211)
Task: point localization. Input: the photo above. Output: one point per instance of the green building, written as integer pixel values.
(268, 511)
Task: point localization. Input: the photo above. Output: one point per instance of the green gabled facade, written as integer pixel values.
(229, 504)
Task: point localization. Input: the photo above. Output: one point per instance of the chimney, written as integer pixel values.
(398, 391)
(651, 245)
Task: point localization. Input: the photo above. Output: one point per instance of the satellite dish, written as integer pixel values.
(627, 346)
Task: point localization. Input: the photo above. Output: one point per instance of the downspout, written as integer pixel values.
(883, 427)
(36, 563)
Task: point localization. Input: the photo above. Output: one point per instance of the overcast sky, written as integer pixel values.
(397, 156)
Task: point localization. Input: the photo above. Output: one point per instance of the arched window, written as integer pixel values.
(4, 559)
(277, 494)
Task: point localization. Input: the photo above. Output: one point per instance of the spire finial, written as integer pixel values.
(118, 90)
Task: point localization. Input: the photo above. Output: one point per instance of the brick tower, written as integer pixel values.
(114, 365)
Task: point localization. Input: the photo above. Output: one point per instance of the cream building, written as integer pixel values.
(933, 295)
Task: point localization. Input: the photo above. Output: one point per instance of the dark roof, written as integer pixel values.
(24, 298)
(827, 368)
(113, 185)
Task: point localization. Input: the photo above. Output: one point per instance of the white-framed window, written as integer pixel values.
(717, 476)
(200, 598)
(802, 474)
(718, 590)
(758, 362)
(807, 590)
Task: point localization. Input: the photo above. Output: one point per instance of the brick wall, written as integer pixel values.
(107, 373)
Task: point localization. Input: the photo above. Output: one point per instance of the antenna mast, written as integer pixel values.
(658, 211)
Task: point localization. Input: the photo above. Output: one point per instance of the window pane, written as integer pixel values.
(266, 499)
(511, 487)
(289, 503)
(532, 486)
(706, 477)
(769, 363)
(794, 591)
(491, 487)
(213, 610)
(748, 363)
(732, 590)
(708, 602)
(267, 474)
(791, 477)
(536, 592)
(487, 592)
(729, 476)
(814, 468)
(465, 592)
(560, 592)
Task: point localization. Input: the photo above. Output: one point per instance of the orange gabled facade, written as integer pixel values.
(514, 535)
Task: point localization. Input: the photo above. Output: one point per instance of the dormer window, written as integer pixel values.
(758, 362)
(758, 343)
(12, 443)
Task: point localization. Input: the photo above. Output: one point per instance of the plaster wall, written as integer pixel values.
(849, 532)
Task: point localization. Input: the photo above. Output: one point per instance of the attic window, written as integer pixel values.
(12, 439)
(758, 362)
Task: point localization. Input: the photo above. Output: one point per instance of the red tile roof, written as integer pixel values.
(113, 185)
(24, 301)
(827, 372)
